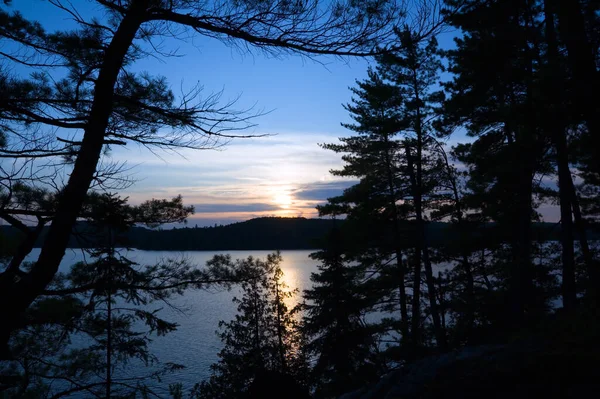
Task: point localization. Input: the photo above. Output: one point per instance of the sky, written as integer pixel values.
(285, 173)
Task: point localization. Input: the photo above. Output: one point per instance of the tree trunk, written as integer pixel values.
(416, 299)
(280, 328)
(583, 67)
(590, 264)
(522, 286)
(466, 264)
(556, 129)
(522, 276)
(396, 237)
(421, 249)
(22, 251)
(440, 334)
(470, 295)
(441, 300)
(569, 292)
(402, 292)
(15, 300)
(258, 363)
(585, 77)
(108, 339)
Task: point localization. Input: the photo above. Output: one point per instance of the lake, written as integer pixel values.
(195, 344)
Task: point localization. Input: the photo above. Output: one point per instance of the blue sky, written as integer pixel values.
(262, 176)
(284, 174)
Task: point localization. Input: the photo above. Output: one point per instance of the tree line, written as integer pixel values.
(259, 233)
(265, 233)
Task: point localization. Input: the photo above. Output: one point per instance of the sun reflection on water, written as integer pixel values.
(290, 279)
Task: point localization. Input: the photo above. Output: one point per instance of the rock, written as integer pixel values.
(520, 370)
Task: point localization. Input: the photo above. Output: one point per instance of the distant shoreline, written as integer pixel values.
(260, 234)
(202, 250)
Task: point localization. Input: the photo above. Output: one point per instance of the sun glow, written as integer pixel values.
(283, 199)
(290, 280)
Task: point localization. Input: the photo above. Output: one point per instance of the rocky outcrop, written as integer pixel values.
(523, 370)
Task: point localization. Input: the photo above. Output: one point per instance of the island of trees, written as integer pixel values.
(392, 286)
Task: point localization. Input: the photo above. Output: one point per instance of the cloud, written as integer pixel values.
(283, 175)
(229, 208)
(240, 173)
(320, 191)
(237, 153)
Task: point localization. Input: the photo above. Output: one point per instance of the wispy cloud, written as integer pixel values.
(233, 208)
(283, 175)
(319, 191)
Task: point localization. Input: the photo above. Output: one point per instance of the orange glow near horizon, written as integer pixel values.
(308, 211)
(275, 200)
(281, 196)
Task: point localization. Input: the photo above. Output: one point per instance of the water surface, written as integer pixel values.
(195, 344)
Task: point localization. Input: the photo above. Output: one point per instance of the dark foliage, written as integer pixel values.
(495, 272)
(262, 340)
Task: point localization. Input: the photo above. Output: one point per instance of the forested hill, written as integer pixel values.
(268, 233)
(261, 233)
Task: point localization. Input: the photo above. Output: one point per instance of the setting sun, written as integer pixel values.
(283, 199)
